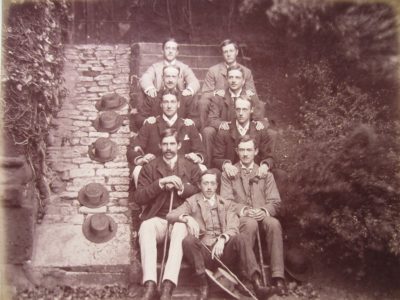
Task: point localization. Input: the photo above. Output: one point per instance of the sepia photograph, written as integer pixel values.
(200, 149)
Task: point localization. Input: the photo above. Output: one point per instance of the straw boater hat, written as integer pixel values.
(110, 102)
(103, 150)
(93, 195)
(99, 228)
(225, 281)
(108, 121)
(298, 265)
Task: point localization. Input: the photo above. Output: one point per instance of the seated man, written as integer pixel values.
(169, 175)
(216, 83)
(151, 105)
(259, 202)
(222, 110)
(212, 223)
(225, 155)
(144, 148)
(151, 81)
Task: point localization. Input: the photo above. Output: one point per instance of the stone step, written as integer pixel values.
(199, 72)
(190, 60)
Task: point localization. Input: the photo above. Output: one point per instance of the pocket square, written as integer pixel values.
(186, 137)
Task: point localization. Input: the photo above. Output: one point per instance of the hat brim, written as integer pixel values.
(115, 128)
(301, 277)
(94, 238)
(235, 294)
(105, 197)
(122, 103)
(113, 155)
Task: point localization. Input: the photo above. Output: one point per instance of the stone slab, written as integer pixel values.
(64, 245)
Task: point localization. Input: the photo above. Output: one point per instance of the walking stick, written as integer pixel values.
(260, 252)
(171, 201)
(231, 273)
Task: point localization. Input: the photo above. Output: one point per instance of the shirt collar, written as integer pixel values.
(210, 201)
(242, 129)
(171, 121)
(171, 162)
(172, 63)
(250, 168)
(235, 95)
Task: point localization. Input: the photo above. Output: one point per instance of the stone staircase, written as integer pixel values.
(61, 254)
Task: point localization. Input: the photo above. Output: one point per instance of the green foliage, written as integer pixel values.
(33, 63)
(345, 170)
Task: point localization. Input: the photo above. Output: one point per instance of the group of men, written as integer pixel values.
(183, 145)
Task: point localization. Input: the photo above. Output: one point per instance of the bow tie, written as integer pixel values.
(247, 170)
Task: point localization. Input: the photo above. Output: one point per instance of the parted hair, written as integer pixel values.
(212, 171)
(169, 40)
(246, 98)
(228, 42)
(246, 138)
(170, 92)
(237, 68)
(169, 132)
(173, 67)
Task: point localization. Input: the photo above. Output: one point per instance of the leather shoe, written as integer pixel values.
(281, 287)
(262, 292)
(151, 290)
(203, 289)
(166, 290)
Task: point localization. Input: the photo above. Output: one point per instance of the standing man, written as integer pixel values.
(151, 105)
(259, 202)
(225, 155)
(212, 222)
(216, 81)
(169, 174)
(222, 110)
(151, 81)
(144, 147)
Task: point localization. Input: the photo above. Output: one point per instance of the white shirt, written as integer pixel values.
(172, 63)
(210, 201)
(242, 129)
(171, 121)
(171, 162)
(233, 95)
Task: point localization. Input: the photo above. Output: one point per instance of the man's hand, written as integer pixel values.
(187, 92)
(193, 226)
(145, 159)
(259, 125)
(171, 182)
(263, 170)
(193, 157)
(188, 122)
(224, 125)
(218, 248)
(150, 120)
(257, 214)
(250, 93)
(220, 93)
(230, 169)
(151, 92)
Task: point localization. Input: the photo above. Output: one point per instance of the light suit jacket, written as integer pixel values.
(153, 77)
(196, 208)
(263, 194)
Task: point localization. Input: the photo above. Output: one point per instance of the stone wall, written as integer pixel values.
(91, 71)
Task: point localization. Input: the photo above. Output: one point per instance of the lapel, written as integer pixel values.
(223, 70)
(234, 132)
(181, 168)
(162, 167)
(161, 125)
(221, 212)
(203, 208)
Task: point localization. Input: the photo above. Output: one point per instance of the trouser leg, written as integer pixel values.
(196, 254)
(273, 233)
(175, 253)
(151, 232)
(208, 134)
(203, 107)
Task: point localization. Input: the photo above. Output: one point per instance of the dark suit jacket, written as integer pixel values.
(195, 207)
(149, 192)
(148, 139)
(151, 107)
(221, 109)
(226, 143)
